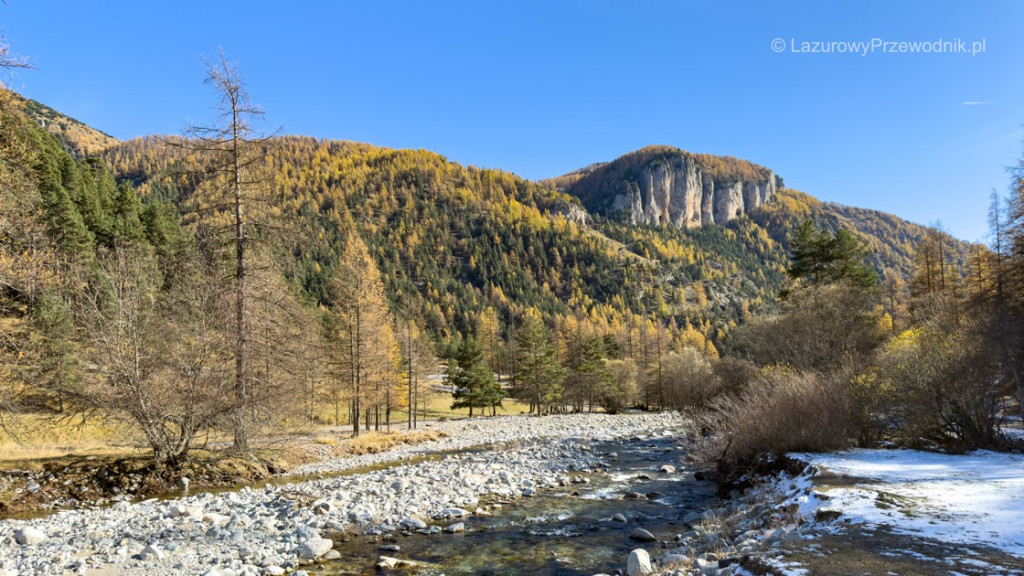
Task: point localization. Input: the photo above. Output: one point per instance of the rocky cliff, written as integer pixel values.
(660, 185)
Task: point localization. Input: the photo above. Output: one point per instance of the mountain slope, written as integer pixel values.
(456, 244)
(79, 138)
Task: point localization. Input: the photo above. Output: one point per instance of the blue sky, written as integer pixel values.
(541, 88)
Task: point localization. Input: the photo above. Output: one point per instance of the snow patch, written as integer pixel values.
(976, 498)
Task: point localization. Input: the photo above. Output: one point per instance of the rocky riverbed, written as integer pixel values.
(280, 528)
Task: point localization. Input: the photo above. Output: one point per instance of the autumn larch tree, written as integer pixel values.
(366, 349)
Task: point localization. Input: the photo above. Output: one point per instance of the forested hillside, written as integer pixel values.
(457, 245)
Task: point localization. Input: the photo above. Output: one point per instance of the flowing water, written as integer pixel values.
(554, 533)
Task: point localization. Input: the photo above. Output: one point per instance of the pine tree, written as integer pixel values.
(819, 257)
(473, 382)
(539, 378)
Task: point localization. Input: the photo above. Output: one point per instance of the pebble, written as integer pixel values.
(152, 552)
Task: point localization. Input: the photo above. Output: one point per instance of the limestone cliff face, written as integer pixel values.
(666, 186)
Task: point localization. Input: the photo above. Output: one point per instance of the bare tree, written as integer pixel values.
(9, 61)
(159, 358)
(233, 212)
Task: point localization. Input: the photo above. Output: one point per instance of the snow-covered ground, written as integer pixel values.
(970, 499)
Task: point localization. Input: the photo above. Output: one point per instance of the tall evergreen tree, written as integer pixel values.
(232, 214)
(472, 380)
(539, 378)
(819, 257)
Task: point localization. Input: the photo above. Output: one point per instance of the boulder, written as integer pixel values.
(29, 536)
(642, 535)
(152, 552)
(457, 527)
(412, 524)
(314, 548)
(667, 469)
(639, 563)
(618, 518)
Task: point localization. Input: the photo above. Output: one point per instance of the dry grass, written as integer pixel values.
(439, 405)
(374, 442)
(39, 437)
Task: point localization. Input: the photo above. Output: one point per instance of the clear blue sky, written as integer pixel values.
(541, 88)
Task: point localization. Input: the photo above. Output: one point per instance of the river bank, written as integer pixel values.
(279, 527)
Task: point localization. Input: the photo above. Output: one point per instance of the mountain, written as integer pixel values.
(78, 137)
(665, 185)
(459, 246)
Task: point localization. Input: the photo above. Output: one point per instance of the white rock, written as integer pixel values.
(639, 563)
(29, 536)
(413, 524)
(154, 552)
(457, 527)
(454, 513)
(667, 469)
(314, 548)
(387, 562)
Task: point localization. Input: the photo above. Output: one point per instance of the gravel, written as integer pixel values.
(277, 528)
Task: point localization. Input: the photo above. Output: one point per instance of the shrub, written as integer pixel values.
(782, 411)
(943, 387)
(689, 379)
(821, 328)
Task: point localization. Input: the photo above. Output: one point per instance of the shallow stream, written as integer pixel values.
(563, 532)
